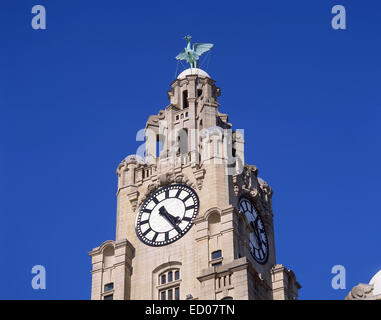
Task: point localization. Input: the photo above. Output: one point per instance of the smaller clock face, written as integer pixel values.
(166, 215)
(258, 239)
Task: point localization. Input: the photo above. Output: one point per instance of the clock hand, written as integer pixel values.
(176, 219)
(165, 212)
(171, 219)
(256, 233)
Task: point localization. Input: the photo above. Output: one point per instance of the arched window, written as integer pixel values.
(214, 223)
(108, 257)
(169, 285)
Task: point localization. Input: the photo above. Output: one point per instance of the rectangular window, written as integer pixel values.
(162, 295)
(216, 254)
(159, 145)
(185, 99)
(177, 275)
(109, 297)
(170, 294)
(170, 276)
(163, 279)
(109, 286)
(177, 293)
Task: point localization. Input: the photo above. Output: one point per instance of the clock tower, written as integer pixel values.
(193, 220)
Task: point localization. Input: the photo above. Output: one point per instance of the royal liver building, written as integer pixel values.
(193, 220)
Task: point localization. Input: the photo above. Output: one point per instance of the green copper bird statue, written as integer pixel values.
(192, 54)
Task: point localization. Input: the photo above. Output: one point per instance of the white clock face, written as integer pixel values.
(166, 215)
(258, 239)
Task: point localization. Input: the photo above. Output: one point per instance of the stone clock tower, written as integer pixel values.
(193, 220)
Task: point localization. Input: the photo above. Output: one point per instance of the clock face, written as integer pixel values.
(259, 246)
(166, 215)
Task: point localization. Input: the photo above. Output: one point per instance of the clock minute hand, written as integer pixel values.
(172, 220)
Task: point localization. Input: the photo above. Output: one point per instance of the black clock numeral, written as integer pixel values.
(178, 193)
(145, 232)
(144, 221)
(167, 194)
(190, 207)
(154, 199)
(187, 219)
(186, 198)
(147, 210)
(154, 237)
(166, 236)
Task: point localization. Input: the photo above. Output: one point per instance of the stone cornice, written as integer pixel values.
(213, 272)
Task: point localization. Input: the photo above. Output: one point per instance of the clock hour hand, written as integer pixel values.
(171, 219)
(165, 213)
(256, 232)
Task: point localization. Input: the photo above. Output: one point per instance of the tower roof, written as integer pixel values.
(193, 71)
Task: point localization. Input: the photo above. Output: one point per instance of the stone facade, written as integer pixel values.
(129, 269)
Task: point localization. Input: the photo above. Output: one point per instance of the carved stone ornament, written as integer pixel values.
(247, 183)
(133, 198)
(360, 292)
(163, 180)
(199, 175)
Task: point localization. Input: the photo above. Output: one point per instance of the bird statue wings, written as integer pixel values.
(192, 54)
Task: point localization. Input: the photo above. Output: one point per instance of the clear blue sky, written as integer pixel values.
(72, 98)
